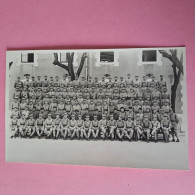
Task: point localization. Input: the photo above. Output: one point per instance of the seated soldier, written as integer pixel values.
(30, 126)
(38, 109)
(129, 112)
(56, 126)
(15, 113)
(26, 112)
(14, 127)
(147, 126)
(155, 128)
(86, 128)
(64, 126)
(68, 108)
(61, 108)
(103, 126)
(129, 124)
(112, 127)
(46, 109)
(17, 93)
(138, 128)
(73, 130)
(166, 127)
(174, 125)
(48, 126)
(122, 113)
(76, 108)
(39, 125)
(22, 125)
(80, 126)
(24, 93)
(120, 131)
(22, 106)
(95, 127)
(15, 104)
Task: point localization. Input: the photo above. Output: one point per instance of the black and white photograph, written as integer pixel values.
(98, 107)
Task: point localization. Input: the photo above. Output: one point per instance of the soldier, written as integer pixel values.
(96, 83)
(30, 129)
(56, 126)
(15, 113)
(147, 126)
(17, 93)
(161, 83)
(129, 82)
(87, 128)
(14, 127)
(120, 131)
(64, 126)
(144, 83)
(33, 82)
(48, 126)
(91, 108)
(112, 127)
(18, 83)
(68, 108)
(64, 82)
(138, 128)
(24, 92)
(45, 82)
(61, 109)
(38, 82)
(76, 109)
(22, 125)
(83, 82)
(73, 127)
(103, 126)
(57, 82)
(27, 81)
(80, 126)
(39, 125)
(155, 128)
(174, 125)
(136, 82)
(22, 106)
(15, 104)
(26, 112)
(166, 127)
(95, 127)
(129, 124)
(122, 83)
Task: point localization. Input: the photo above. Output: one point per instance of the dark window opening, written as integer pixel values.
(106, 56)
(149, 56)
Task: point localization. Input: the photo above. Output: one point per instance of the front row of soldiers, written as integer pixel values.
(138, 129)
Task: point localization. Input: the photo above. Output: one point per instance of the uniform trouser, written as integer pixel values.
(14, 130)
(30, 130)
(129, 133)
(103, 131)
(84, 132)
(112, 131)
(39, 130)
(48, 130)
(56, 130)
(139, 131)
(147, 132)
(95, 131)
(165, 131)
(155, 132)
(22, 130)
(74, 131)
(120, 131)
(64, 131)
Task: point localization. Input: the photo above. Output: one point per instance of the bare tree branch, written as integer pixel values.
(84, 56)
(57, 63)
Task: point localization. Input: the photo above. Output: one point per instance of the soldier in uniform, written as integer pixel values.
(64, 126)
(103, 126)
(147, 126)
(120, 131)
(27, 81)
(45, 82)
(80, 126)
(112, 127)
(136, 82)
(30, 129)
(174, 125)
(155, 128)
(26, 112)
(95, 127)
(73, 130)
(61, 109)
(129, 82)
(15, 104)
(68, 108)
(138, 128)
(22, 125)
(15, 113)
(166, 127)
(18, 84)
(39, 125)
(161, 83)
(38, 82)
(56, 126)
(129, 124)
(48, 126)
(76, 109)
(86, 128)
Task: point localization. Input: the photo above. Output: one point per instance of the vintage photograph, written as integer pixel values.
(100, 107)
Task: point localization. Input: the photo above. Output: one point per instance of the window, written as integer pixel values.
(149, 56)
(106, 56)
(27, 58)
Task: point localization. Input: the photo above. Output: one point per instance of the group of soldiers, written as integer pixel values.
(118, 108)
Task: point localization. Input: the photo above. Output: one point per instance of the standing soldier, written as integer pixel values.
(136, 82)
(166, 127)
(161, 83)
(120, 131)
(64, 126)
(128, 81)
(174, 125)
(129, 128)
(95, 127)
(56, 126)
(45, 82)
(38, 82)
(18, 84)
(155, 128)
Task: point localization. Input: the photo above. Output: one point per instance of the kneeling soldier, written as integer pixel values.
(129, 127)
(56, 126)
(120, 131)
(95, 127)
